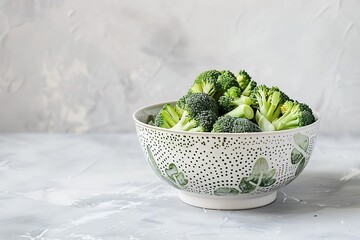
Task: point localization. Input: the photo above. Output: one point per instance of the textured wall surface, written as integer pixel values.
(84, 66)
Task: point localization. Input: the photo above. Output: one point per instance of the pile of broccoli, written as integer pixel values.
(219, 101)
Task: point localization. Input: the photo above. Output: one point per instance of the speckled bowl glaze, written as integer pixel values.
(225, 170)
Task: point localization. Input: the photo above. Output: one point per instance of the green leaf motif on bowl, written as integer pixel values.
(172, 175)
(226, 191)
(171, 170)
(302, 141)
(299, 152)
(247, 185)
(300, 167)
(296, 156)
(152, 162)
(261, 176)
(178, 178)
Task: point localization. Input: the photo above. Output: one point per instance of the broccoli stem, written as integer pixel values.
(173, 113)
(196, 88)
(166, 125)
(274, 107)
(263, 123)
(242, 100)
(184, 124)
(247, 90)
(286, 122)
(262, 102)
(209, 89)
(168, 119)
(242, 111)
(189, 125)
(197, 129)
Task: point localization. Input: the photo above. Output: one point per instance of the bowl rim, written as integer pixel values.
(294, 130)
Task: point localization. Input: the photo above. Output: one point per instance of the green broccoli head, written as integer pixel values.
(276, 99)
(258, 95)
(198, 102)
(237, 98)
(227, 101)
(294, 115)
(233, 98)
(233, 92)
(206, 82)
(214, 83)
(200, 122)
(182, 102)
(206, 120)
(234, 125)
(224, 124)
(242, 125)
(199, 113)
(227, 80)
(180, 105)
(268, 101)
(243, 78)
(245, 83)
(167, 117)
(232, 103)
(226, 104)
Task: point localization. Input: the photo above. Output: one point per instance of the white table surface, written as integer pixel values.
(95, 187)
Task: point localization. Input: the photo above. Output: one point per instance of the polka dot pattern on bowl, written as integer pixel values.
(226, 162)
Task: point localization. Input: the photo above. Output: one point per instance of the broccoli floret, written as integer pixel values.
(232, 103)
(198, 102)
(244, 125)
(247, 91)
(233, 98)
(294, 114)
(199, 112)
(182, 102)
(224, 124)
(193, 112)
(167, 117)
(234, 125)
(259, 96)
(213, 83)
(227, 80)
(263, 123)
(277, 99)
(242, 111)
(226, 101)
(245, 83)
(206, 82)
(243, 78)
(180, 105)
(206, 119)
(201, 122)
(234, 92)
(268, 101)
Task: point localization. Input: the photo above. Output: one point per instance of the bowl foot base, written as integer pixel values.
(227, 202)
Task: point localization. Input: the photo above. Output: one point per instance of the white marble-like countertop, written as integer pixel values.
(95, 187)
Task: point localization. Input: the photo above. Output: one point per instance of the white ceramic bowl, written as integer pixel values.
(225, 170)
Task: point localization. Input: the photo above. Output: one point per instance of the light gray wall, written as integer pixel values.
(86, 65)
